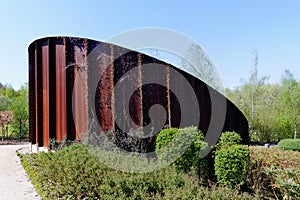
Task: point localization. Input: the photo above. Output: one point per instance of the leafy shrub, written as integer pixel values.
(189, 141)
(263, 161)
(289, 144)
(231, 165)
(286, 181)
(228, 139)
(76, 173)
(165, 136)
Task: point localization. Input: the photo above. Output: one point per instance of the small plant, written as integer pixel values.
(231, 165)
(289, 144)
(59, 145)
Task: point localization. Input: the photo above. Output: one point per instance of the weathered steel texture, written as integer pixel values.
(60, 92)
(31, 96)
(63, 72)
(45, 88)
(80, 90)
(105, 87)
(39, 97)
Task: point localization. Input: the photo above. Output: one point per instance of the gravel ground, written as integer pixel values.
(14, 183)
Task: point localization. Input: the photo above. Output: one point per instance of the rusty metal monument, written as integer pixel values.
(63, 71)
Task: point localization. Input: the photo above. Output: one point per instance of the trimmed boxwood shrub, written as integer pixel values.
(231, 165)
(190, 158)
(165, 136)
(289, 144)
(228, 139)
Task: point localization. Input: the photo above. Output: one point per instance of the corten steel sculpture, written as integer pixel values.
(55, 98)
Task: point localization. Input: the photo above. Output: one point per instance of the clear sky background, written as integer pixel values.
(228, 30)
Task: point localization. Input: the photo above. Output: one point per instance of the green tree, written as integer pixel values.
(19, 106)
(272, 110)
(4, 103)
(253, 82)
(290, 100)
(266, 123)
(285, 126)
(10, 92)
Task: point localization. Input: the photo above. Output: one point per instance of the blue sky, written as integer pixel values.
(228, 30)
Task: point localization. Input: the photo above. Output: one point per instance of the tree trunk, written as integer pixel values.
(3, 132)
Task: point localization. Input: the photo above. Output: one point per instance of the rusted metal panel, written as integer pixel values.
(39, 95)
(32, 96)
(45, 85)
(60, 85)
(155, 94)
(80, 91)
(139, 100)
(104, 101)
(36, 97)
(52, 87)
(70, 78)
(168, 95)
(111, 114)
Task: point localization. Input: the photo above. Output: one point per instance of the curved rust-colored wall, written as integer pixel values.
(56, 62)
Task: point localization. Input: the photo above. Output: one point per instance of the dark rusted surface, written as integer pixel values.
(60, 92)
(32, 95)
(45, 88)
(80, 90)
(62, 72)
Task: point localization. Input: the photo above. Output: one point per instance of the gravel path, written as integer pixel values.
(14, 183)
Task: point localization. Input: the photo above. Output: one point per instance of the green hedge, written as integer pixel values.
(231, 165)
(273, 172)
(289, 144)
(191, 139)
(228, 139)
(75, 173)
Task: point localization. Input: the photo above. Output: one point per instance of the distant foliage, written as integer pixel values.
(16, 101)
(273, 109)
(4, 103)
(231, 165)
(289, 144)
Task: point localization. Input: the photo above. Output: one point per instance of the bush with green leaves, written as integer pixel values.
(228, 139)
(271, 170)
(186, 141)
(231, 165)
(76, 173)
(289, 144)
(286, 182)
